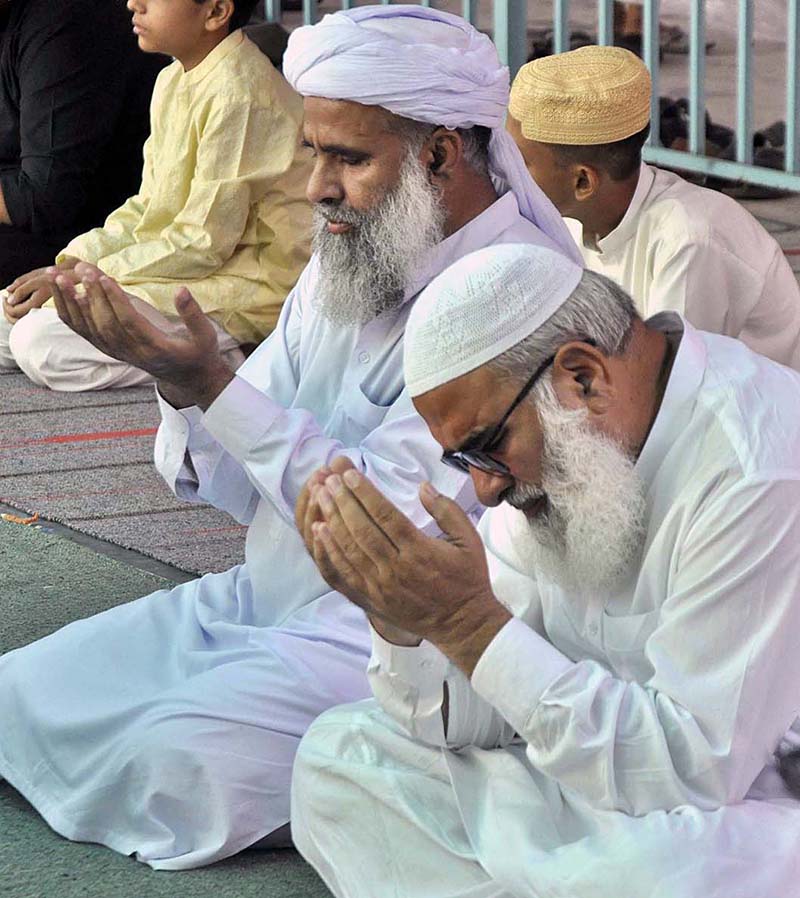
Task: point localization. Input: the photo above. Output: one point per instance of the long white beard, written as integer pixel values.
(365, 271)
(589, 537)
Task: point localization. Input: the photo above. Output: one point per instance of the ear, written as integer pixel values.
(583, 378)
(586, 182)
(442, 153)
(219, 15)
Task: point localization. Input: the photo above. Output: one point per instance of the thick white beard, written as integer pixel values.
(364, 272)
(589, 538)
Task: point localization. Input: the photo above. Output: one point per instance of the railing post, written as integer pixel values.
(560, 26)
(605, 22)
(272, 10)
(793, 88)
(650, 46)
(469, 9)
(744, 80)
(511, 32)
(697, 77)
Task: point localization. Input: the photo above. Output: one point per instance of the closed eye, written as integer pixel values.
(496, 444)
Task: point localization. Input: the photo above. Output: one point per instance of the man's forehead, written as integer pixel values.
(345, 120)
(461, 409)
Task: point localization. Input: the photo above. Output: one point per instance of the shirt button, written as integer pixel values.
(593, 629)
(364, 357)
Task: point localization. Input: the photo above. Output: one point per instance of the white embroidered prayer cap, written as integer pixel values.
(482, 305)
(427, 65)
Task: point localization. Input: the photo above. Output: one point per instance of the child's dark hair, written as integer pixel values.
(242, 10)
(620, 160)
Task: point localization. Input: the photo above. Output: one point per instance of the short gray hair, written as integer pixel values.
(475, 140)
(598, 310)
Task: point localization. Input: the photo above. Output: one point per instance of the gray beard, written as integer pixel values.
(588, 537)
(365, 271)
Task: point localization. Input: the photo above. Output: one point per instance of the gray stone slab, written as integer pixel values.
(194, 538)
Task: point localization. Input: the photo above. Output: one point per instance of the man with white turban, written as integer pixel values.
(166, 728)
(582, 699)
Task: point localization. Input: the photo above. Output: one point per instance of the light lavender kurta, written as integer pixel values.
(167, 727)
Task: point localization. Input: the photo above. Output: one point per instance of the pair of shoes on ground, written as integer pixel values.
(671, 40)
(768, 148)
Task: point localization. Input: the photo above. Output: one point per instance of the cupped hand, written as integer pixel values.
(438, 589)
(109, 319)
(33, 289)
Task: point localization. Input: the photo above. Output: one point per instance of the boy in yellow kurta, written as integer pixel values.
(221, 208)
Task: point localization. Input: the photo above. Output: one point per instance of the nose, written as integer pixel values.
(323, 185)
(489, 487)
(134, 5)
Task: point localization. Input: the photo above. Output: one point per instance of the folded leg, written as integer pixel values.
(167, 728)
(374, 812)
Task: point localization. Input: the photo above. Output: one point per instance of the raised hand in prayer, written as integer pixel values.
(32, 290)
(115, 323)
(308, 512)
(438, 589)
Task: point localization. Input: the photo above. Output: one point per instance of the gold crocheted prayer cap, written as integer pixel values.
(585, 97)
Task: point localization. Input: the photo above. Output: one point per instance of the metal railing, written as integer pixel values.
(510, 35)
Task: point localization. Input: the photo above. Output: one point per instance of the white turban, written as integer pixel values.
(482, 305)
(426, 65)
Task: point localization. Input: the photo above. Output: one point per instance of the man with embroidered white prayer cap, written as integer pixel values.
(583, 698)
(167, 728)
(580, 120)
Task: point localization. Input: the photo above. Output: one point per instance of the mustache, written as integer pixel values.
(522, 496)
(341, 214)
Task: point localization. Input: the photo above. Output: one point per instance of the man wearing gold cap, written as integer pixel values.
(580, 120)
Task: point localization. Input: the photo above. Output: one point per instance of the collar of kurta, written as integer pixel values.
(477, 233)
(214, 58)
(677, 403)
(626, 229)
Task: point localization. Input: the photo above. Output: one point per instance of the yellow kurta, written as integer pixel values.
(222, 203)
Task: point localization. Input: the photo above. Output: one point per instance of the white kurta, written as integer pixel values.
(606, 745)
(167, 727)
(683, 247)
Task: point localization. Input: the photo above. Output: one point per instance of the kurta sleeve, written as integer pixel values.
(724, 670)
(410, 683)
(719, 292)
(117, 230)
(194, 464)
(712, 288)
(70, 92)
(280, 447)
(232, 173)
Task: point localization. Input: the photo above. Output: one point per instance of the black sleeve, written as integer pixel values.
(71, 88)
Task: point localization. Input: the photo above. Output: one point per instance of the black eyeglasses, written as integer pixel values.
(480, 457)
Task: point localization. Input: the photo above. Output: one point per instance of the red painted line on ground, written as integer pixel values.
(234, 528)
(83, 437)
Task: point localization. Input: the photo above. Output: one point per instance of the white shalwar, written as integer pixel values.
(646, 718)
(686, 248)
(167, 727)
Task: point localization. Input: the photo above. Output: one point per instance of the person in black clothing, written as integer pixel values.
(74, 100)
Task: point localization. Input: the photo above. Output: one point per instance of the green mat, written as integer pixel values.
(47, 582)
